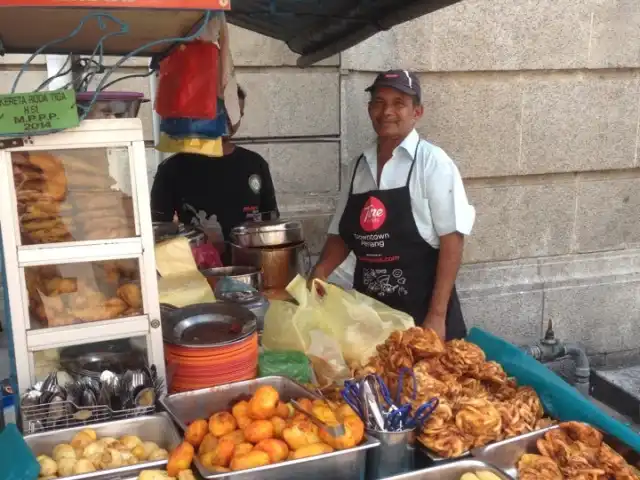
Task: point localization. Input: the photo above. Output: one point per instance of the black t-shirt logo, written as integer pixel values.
(255, 183)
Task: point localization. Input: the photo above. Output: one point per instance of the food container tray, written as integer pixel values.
(505, 454)
(451, 471)
(156, 428)
(186, 407)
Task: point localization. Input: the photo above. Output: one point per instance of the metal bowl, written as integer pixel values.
(252, 276)
(267, 234)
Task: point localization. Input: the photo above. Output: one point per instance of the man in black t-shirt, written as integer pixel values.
(233, 187)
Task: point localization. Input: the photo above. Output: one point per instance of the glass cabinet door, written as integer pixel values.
(73, 195)
(74, 293)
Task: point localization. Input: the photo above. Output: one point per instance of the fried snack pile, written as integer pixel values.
(87, 453)
(478, 403)
(66, 198)
(96, 291)
(574, 451)
(265, 430)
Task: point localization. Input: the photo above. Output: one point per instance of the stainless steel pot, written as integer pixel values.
(267, 234)
(279, 265)
(246, 274)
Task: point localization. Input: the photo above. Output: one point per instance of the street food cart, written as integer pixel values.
(86, 326)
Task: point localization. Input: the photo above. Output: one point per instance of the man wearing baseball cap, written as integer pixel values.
(404, 214)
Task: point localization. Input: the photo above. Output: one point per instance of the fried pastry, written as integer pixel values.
(423, 342)
(427, 385)
(479, 419)
(448, 441)
(131, 294)
(461, 356)
(538, 467)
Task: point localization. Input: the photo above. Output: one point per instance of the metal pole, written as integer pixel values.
(153, 88)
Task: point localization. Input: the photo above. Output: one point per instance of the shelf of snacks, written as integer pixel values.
(78, 242)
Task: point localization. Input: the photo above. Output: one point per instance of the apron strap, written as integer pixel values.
(355, 170)
(415, 155)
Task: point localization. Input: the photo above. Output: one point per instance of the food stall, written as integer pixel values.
(121, 374)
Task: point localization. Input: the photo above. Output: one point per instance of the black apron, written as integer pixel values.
(394, 263)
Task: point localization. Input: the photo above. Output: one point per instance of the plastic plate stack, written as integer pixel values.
(209, 345)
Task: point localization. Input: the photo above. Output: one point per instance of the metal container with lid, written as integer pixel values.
(207, 325)
(253, 301)
(268, 233)
(245, 274)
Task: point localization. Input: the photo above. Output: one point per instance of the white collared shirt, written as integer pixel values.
(438, 200)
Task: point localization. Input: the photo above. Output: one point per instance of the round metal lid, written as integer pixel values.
(208, 325)
(267, 226)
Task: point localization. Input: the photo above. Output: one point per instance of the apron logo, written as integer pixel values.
(255, 184)
(373, 215)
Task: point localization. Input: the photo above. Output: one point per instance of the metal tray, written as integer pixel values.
(433, 457)
(451, 471)
(155, 428)
(186, 407)
(505, 454)
(189, 406)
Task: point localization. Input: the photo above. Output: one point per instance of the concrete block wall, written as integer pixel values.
(537, 101)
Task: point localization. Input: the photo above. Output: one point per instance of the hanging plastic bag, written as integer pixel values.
(188, 82)
(290, 364)
(197, 128)
(201, 146)
(354, 321)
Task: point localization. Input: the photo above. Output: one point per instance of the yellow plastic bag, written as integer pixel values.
(355, 322)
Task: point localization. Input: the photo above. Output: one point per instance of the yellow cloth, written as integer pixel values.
(181, 283)
(210, 148)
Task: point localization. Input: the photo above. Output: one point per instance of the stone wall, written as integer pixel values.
(538, 103)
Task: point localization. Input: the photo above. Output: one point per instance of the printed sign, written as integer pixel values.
(159, 4)
(373, 215)
(25, 113)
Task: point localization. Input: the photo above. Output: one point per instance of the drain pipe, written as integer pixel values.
(550, 349)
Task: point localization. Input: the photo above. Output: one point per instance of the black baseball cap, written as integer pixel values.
(401, 80)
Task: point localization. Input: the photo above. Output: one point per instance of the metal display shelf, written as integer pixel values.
(26, 25)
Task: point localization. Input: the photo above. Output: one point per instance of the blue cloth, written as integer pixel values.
(197, 128)
(560, 400)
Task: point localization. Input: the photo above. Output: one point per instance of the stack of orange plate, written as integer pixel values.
(209, 345)
(195, 368)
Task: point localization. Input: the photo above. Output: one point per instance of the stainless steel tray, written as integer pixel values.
(189, 406)
(156, 428)
(505, 454)
(186, 407)
(451, 471)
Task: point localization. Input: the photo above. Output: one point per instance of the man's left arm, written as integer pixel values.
(268, 201)
(452, 218)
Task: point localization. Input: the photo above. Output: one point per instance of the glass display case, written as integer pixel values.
(78, 244)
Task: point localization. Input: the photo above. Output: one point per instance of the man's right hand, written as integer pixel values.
(334, 252)
(319, 288)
